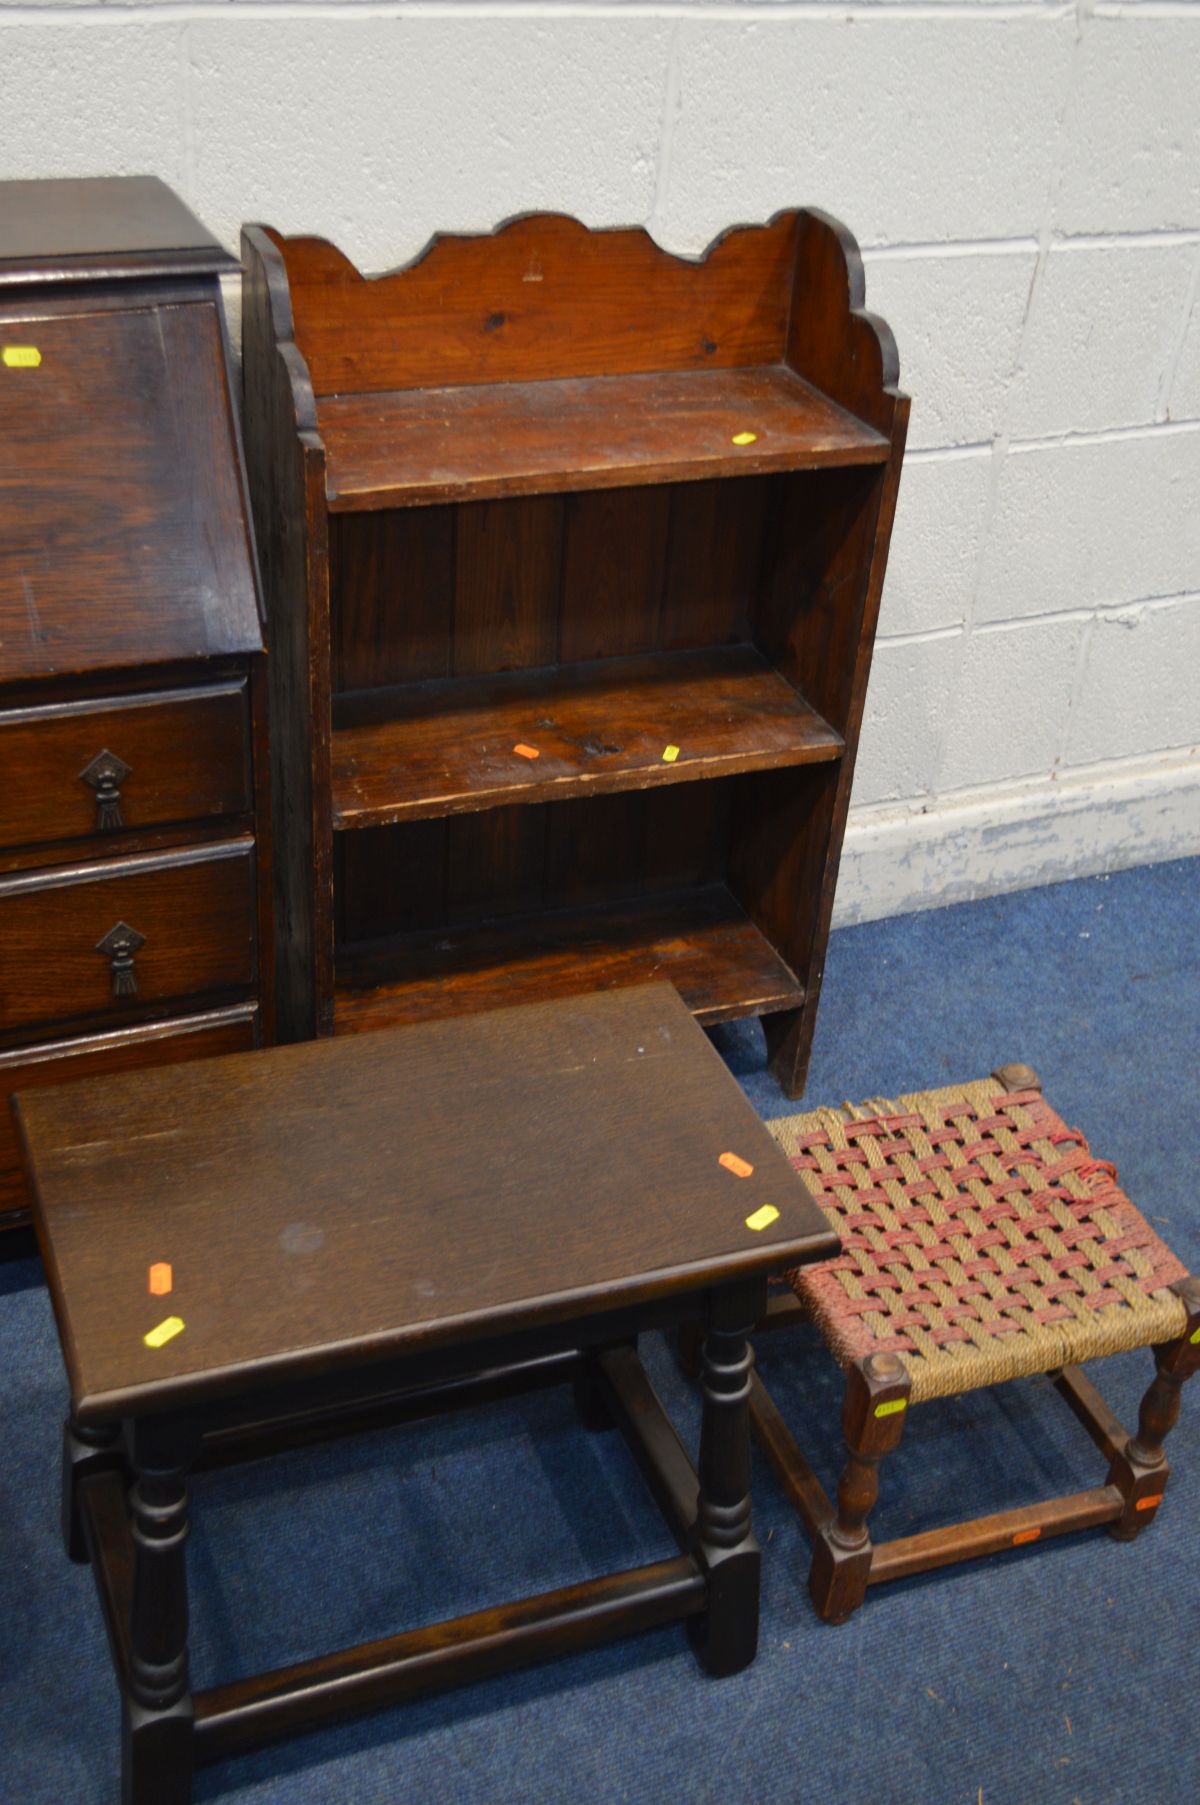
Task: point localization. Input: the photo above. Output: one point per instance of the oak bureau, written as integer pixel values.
(132, 717)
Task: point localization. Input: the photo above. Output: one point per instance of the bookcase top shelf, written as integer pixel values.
(449, 747)
(523, 438)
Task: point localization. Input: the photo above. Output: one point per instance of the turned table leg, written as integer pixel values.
(727, 1634)
(157, 1706)
(1140, 1469)
(873, 1416)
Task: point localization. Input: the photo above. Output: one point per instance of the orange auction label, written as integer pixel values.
(733, 1162)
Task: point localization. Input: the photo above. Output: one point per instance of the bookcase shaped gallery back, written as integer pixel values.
(573, 553)
(133, 928)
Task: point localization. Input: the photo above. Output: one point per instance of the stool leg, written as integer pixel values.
(86, 1450)
(876, 1405)
(1140, 1469)
(1017, 1078)
(156, 1743)
(723, 1541)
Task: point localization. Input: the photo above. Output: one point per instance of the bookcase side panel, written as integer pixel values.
(286, 472)
(833, 341)
(814, 582)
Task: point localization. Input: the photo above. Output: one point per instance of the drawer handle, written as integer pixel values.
(120, 944)
(106, 774)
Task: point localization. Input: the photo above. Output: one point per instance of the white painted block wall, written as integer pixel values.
(1024, 178)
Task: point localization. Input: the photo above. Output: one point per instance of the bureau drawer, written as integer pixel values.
(233, 1030)
(108, 938)
(69, 770)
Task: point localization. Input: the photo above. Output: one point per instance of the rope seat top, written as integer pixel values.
(981, 1239)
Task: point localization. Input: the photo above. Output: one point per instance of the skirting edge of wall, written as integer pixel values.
(897, 858)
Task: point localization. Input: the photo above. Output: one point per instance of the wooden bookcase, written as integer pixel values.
(555, 489)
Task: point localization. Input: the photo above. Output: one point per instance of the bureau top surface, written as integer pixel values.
(101, 226)
(341, 1201)
(124, 537)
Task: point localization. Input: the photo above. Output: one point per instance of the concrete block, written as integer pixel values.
(1108, 521)
(1102, 328)
(909, 128)
(963, 847)
(379, 131)
(957, 322)
(98, 99)
(1008, 715)
(905, 719)
(936, 542)
(1183, 396)
(1132, 160)
(1140, 690)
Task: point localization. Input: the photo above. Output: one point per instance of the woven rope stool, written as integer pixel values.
(982, 1241)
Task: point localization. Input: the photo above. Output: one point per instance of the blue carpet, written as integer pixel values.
(1061, 1675)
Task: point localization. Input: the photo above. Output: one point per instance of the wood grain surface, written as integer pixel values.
(444, 444)
(449, 748)
(542, 296)
(125, 537)
(331, 1203)
(232, 1030)
(188, 754)
(548, 446)
(285, 464)
(99, 227)
(699, 939)
(195, 909)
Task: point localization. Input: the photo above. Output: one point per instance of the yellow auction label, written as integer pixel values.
(892, 1407)
(165, 1331)
(1195, 1338)
(763, 1218)
(743, 438)
(21, 357)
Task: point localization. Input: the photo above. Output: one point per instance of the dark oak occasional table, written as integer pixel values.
(250, 1252)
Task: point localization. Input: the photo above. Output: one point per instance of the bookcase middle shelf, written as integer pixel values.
(457, 745)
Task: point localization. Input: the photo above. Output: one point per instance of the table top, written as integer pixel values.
(352, 1200)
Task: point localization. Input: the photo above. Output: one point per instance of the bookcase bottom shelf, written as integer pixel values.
(700, 940)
